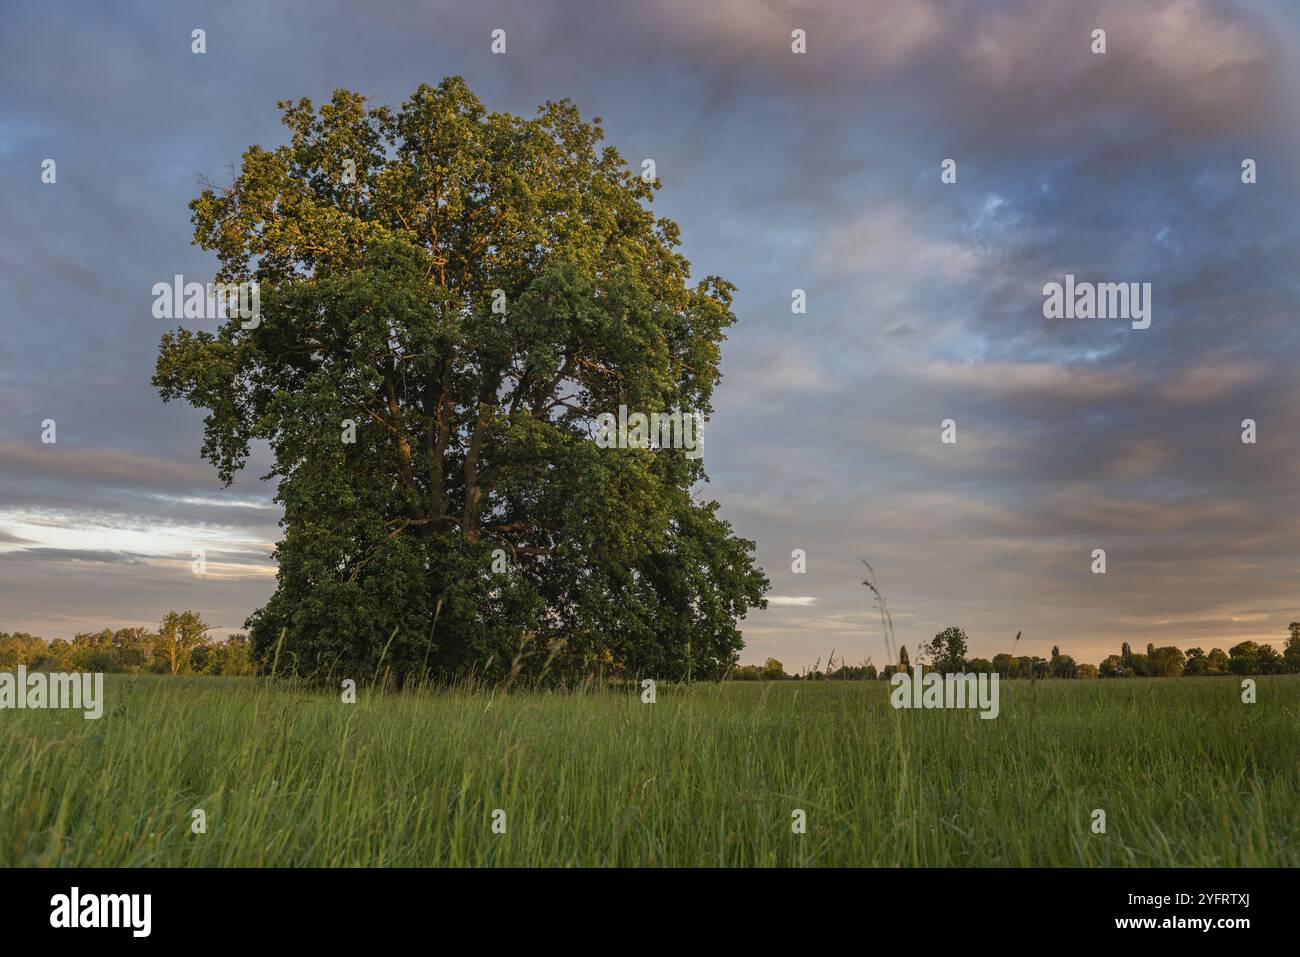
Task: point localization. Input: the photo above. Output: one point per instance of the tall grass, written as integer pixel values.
(709, 775)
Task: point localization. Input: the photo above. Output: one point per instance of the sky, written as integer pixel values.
(819, 171)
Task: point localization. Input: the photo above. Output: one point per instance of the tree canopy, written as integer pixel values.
(450, 297)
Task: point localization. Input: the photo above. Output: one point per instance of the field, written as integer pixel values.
(1186, 773)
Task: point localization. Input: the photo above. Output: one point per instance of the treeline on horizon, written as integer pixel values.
(946, 653)
(180, 645)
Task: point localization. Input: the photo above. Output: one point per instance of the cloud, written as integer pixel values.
(992, 72)
(108, 466)
(1211, 380)
(1050, 381)
(45, 554)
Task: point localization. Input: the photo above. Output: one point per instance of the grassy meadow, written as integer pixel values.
(708, 775)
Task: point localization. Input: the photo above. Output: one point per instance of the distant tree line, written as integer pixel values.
(946, 653)
(180, 645)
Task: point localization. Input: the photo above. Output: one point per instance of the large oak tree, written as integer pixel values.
(380, 239)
